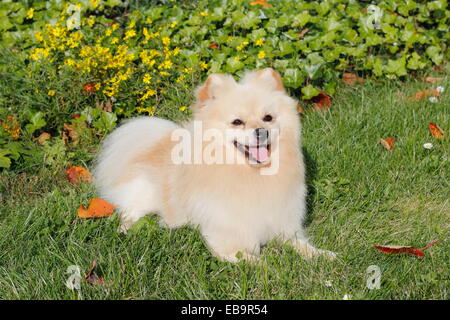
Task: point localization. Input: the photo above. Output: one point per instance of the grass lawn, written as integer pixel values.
(360, 195)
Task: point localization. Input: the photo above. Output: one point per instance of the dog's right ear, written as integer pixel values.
(213, 86)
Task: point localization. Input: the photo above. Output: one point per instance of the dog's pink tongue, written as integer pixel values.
(260, 154)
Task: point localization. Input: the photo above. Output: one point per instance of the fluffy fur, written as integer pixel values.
(236, 207)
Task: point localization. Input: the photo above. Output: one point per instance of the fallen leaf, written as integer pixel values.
(433, 79)
(76, 174)
(351, 78)
(260, 2)
(423, 95)
(105, 106)
(321, 101)
(89, 87)
(69, 134)
(436, 131)
(404, 249)
(300, 109)
(92, 277)
(214, 46)
(388, 143)
(44, 136)
(97, 208)
(302, 33)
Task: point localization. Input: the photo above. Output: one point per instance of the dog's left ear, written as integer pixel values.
(213, 86)
(266, 78)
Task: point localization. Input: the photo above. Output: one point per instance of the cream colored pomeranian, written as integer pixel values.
(236, 171)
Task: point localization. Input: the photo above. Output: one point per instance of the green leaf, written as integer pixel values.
(5, 162)
(309, 92)
(292, 78)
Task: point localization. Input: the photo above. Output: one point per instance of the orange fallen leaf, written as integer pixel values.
(388, 143)
(422, 95)
(351, 78)
(436, 131)
(97, 208)
(260, 2)
(433, 79)
(44, 136)
(321, 101)
(214, 46)
(76, 174)
(405, 249)
(89, 87)
(92, 277)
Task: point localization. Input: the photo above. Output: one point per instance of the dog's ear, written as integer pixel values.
(213, 85)
(266, 78)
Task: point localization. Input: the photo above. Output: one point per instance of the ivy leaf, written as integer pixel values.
(292, 78)
(434, 53)
(37, 121)
(5, 162)
(309, 92)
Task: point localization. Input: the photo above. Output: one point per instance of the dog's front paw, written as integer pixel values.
(328, 254)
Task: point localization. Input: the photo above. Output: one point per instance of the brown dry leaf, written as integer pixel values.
(433, 79)
(76, 174)
(69, 134)
(97, 208)
(423, 95)
(92, 277)
(436, 131)
(302, 33)
(44, 136)
(105, 106)
(351, 78)
(388, 143)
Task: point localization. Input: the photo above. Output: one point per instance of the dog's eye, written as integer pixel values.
(237, 122)
(267, 118)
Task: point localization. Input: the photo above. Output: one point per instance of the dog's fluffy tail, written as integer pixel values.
(125, 143)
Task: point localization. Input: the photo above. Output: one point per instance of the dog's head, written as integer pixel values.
(253, 115)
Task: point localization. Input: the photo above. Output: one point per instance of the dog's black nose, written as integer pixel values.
(261, 134)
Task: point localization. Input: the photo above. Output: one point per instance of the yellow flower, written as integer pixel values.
(130, 34)
(51, 93)
(149, 20)
(204, 13)
(261, 54)
(91, 21)
(150, 110)
(173, 24)
(114, 40)
(30, 13)
(166, 41)
(167, 64)
(182, 108)
(38, 36)
(259, 42)
(147, 78)
(203, 65)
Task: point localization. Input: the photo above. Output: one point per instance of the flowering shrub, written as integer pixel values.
(128, 63)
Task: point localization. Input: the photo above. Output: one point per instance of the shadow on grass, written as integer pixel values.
(311, 170)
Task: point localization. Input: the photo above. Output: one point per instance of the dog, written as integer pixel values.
(237, 205)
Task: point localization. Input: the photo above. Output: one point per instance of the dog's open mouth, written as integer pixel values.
(259, 154)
